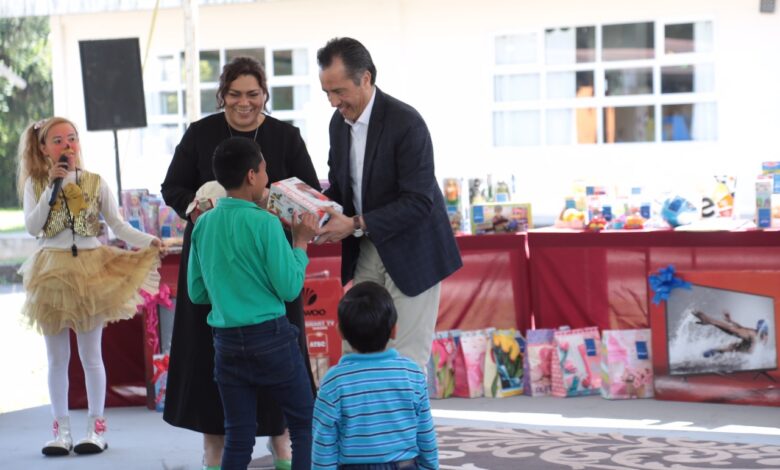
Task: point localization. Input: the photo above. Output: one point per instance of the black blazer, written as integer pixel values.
(403, 206)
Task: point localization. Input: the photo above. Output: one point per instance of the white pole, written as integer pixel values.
(191, 59)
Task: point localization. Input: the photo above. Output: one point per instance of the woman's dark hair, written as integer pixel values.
(354, 55)
(233, 158)
(367, 316)
(236, 68)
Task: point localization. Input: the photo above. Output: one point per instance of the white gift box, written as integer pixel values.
(293, 195)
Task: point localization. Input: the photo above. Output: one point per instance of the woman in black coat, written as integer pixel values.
(192, 400)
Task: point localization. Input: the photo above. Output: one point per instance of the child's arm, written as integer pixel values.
(428, 458)
(196, 287)
(325, 432)
(35, 212)
(120, 227)
(286, 267)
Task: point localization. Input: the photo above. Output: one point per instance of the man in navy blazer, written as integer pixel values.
(394, 230)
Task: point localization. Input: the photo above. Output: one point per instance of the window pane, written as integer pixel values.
(695, 121)
(560, 122)
(688, 37)
(687, 78)
(257, 54)
(628, 81)
(289, 98)
(515, 128)
(160, 138)
(559, 126)
(167, 67)
(570, 84)
(516, 87)
(209, 66)
(169, 102)
(628, 41)
(570, 45)
(516, 49)
(629, 124)
(290, 62)
(208, 101)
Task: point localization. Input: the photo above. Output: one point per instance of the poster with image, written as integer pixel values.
(717, 340)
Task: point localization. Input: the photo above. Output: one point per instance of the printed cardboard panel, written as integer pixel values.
(717, 341)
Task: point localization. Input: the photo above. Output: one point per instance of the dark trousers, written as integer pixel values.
(262, 357)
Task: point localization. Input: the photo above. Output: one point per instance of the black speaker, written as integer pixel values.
(113, 84)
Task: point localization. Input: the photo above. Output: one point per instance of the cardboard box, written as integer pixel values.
(770, 167)
(293, 195)
(500, 217)
(764, 202)
(320, 310)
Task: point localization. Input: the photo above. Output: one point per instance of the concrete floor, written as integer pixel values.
(140, 439)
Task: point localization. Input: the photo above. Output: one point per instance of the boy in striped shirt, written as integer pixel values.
(372, 410)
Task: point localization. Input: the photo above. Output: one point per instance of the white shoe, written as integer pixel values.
(62, 443)
(94, 443)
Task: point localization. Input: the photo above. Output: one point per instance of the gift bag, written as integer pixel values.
(469, 362)
(504, 364)
(441, 373)
(626, 367)
(576, 364)
(159, 379)
(537, 364)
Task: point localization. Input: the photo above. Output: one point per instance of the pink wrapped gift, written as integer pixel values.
(469, 363)
(537, 378)
(441, 374)
(626, 364)
(576, 363)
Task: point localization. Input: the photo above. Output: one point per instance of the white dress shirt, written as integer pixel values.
(357, 153)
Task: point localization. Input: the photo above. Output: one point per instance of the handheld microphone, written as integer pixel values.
(57, 182)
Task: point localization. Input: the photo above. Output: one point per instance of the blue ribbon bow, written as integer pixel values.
(664, 282)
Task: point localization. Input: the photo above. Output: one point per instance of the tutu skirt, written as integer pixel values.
(98, 286)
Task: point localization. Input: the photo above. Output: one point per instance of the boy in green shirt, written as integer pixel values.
(241, 263)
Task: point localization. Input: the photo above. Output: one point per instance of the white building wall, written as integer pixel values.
(437, 56)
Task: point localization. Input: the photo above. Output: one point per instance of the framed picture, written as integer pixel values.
(717, 341)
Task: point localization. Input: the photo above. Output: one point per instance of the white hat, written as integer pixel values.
(206, 196)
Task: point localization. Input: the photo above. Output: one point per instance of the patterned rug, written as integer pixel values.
(467, 448)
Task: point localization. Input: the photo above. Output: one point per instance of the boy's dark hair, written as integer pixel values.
(354, 56)
(367, 316)
(233, 158)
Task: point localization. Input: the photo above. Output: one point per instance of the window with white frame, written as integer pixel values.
(287, 71)
(605, 84)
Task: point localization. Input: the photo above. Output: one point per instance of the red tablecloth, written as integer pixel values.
(582, 279)
(492, 289)
(123, 356)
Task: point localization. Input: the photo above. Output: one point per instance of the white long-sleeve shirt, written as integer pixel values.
(36, 213)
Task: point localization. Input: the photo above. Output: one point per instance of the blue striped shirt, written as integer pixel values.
(373, 408)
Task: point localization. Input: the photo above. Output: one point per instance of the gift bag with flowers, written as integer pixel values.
(441, 372)
(576, 363)
(626, 367)
(159, 379)
(504, 364)
(537, 364)
(469, 362)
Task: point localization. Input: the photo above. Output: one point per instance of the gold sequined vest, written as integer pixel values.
(87, 222)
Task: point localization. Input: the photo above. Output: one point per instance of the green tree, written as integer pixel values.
(24, 49)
